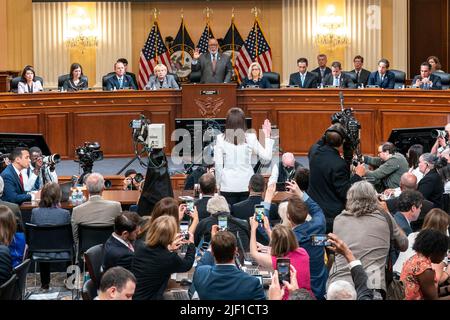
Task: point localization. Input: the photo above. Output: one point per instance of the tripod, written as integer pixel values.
(136, 157)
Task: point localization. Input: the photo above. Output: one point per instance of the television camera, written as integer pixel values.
(87, 155)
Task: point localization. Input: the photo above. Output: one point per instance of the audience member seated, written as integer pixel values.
(216, 206)
(284, 170)
(341, 289)
(409, 205)
(13, 206)
(117, 284)
(322, 70)
(130, 182)
(77, 80)
(418, 275)
(233, 155)
(299, 206)
(382, 78)
(28, 83)
(96, 211)
(161, 80)
(217, 277)
(408, 181)
(119, 249)
(438, 220)
(132, 75)
(364, 227)
(255, 77)
(362, 75)
(303, 78)
(14, 190)
(154, 262)
(431, 185)
(283, 244)
(194, 175)
(38, 174)
(426, 79)
(49, 213)
(435, 64)
(390, 167)
(120, 80)
(413, 155)
(337, 78)
(208, 188)
(7, 231)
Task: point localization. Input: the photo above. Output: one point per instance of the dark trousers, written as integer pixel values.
(235, 197)
(45, 273)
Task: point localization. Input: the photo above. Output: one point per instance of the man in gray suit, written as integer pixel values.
(161, 80)
(96, 211)
(214, 66)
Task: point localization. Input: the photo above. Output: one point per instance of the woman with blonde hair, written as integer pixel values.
(255, 77)
(155, 261)
(161, 80)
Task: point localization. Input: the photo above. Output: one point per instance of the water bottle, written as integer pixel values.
(73, 197)
(79, 196)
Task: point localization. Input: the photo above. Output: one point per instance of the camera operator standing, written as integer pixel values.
(330, 174)
(39, 172)
(441, 142)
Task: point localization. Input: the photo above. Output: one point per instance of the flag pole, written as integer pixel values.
(182, 36)
(155, 16)
(233, 56)
(256, 26)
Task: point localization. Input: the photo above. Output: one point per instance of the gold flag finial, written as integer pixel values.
(256, 11)
(232, 14)
(156, 13)
(208, 12)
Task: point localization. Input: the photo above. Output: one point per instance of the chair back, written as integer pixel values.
(400, 78)
(105, 79)
(274, 79)
(94, 260)
(7, 290)
(195, 77)
(21, 271)
(64, 77)
(90, 236)
(351, 75)
(47, 239)
(89, 291)
(445, 79)
(14, 83)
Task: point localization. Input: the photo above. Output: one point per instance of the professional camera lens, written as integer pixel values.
(138, 177)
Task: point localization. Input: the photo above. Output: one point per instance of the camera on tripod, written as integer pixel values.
(89, 153)
(151, 135)
(435, 134)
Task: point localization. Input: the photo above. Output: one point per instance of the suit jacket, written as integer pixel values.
(13, 190)
(50, 216)
(169, 82)
(22, 87)
(116, 254)
(319, 75)
(96, 211)
(359, 277)
(225, 282)
(432, 188)
(201, 207)
(310, 80)
(388, 81)
(5, 264)
(392, 205)
(223, 68)
(363, 77)
(403, 223)
(127, 83)
(437, 85)
(344, 81)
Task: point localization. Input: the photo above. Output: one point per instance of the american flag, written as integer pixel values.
(203, 42)
(154, 52)
(254, 49)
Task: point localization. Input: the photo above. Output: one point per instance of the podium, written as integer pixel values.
(208, 100)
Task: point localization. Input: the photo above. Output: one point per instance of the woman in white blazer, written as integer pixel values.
(27, 83)
(233, 156)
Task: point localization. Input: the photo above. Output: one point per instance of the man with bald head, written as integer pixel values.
(408, 181)
(96, 211)
(284, 170)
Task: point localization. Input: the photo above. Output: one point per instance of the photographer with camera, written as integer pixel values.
(41, 170)
(132, 180)
(442, 140)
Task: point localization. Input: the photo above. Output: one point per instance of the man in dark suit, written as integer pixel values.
(303, 78)
(120, 80)
(208, 188)
(409, 206)
(426, 79)
(125, 63)
(13, 206)
(322, 70)
(362, 75)
(214, 66)
(383, 78)
(14, 190)
(329, 175)
(119, 250)
(217, 277)
(337, 78)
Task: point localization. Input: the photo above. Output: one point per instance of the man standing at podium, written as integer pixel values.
(214, 66)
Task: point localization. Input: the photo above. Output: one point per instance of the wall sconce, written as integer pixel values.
(331, 32)
(81, 32)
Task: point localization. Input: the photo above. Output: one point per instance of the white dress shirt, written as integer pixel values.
(30, 180)
(233, 163)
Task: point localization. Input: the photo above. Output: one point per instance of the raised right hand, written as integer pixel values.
(196, 54)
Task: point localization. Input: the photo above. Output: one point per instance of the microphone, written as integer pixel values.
(341, 97)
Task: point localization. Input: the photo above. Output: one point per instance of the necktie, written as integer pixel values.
(357, 76)
(336, 82)
(214, 62)
(382, 78)
(21, 180)
(303, 80)
(130, 246)
(120, 83)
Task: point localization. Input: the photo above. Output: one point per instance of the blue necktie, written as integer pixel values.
(336, 82)
(303, 79)
(120, 83)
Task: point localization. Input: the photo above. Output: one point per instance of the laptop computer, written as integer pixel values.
(66, 191)
(176, 294)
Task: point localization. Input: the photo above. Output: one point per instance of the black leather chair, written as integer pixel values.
(14, 83)
(105, 78)
(93, 258)
(64, 77)
(21, 271)
(89, 291)
(400, 78)
(89, 236)
(351, 75)
(7, 290)
(195, 77)
(445, 79)
(274, 79)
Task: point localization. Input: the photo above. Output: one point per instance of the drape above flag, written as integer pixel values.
(154, 52)
(204, 38)
(255, 48)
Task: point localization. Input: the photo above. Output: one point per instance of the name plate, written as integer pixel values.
(209, 92)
